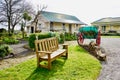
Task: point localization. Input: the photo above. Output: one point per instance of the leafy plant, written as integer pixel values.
(5, 50)
(9, 40)
(32, 38)
(62, 38)
(44, 35)
(70, 36)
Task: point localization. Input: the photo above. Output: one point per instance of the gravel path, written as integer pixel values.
(19, 50)
(111, 70)
(21, 55)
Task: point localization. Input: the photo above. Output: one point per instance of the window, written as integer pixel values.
(51, 26)
(103, 28)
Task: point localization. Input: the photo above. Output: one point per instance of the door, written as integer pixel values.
(70, 28)
(32, 29)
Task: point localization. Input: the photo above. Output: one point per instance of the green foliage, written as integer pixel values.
(10, 40)
(3, 32)
(26, 16)
(62, 38)
(110, 34)
(69, 36)
(44, 35)
(4, 50)
(32, 39)
(79, 66)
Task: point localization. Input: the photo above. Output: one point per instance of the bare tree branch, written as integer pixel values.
(11, 12)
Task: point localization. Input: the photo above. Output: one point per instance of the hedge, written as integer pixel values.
(32, 38)
(61, 37)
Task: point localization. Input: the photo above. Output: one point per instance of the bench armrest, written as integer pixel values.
(65, 46)
(46, 52)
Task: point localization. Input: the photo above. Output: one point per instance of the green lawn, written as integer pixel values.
(79, 66)
(110, 36)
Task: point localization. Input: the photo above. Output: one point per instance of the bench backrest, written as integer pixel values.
(48, 44)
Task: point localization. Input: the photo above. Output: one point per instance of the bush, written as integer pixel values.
(44, 35)
(110, 34)
(4, 50)
(8, 40)
(69, 36)
(32, 38)
(3, 32)
(62, 38)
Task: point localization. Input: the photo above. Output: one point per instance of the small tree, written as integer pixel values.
(26, 18)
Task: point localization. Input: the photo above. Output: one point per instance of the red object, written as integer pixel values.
(80, 38)
(98, 40)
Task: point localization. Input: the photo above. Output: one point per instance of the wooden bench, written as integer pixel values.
(48, 50)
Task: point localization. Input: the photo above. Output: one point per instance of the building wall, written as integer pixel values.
(59, 27)
(114, 28)
(117, 28)
(44, 26)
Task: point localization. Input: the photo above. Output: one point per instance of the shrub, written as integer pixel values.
(44, 35)
(3, 32)
(62, 38)
(70, 36)
(32, 38)
(4, 50)
(9, 40)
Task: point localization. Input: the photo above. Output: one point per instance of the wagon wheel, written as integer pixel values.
(80, 39)
(98, 39)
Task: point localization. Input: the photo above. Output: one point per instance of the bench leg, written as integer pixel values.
(49, 64)
(38, 62)
(66, 55)
(66, 47)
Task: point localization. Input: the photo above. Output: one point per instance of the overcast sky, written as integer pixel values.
(86, 10)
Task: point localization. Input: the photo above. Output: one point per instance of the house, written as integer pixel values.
(50, 21)
(109, 24)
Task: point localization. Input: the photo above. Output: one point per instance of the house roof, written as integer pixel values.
(108, 20)
(58, 17)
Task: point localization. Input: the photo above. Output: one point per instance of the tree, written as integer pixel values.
(11, 12)
(26, 18)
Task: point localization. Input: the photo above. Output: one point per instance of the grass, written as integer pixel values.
(110, 36)
(79, 66)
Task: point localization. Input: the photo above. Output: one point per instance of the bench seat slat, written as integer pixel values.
(54, 54)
